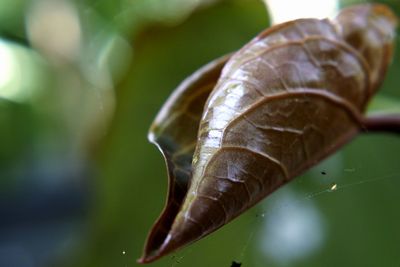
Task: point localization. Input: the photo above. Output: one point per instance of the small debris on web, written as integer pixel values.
(236, 264)
(333, 187)
(323, 173)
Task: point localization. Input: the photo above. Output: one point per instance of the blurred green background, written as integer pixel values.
(80, 83)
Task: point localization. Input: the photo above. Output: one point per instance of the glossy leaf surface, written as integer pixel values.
(286, 100)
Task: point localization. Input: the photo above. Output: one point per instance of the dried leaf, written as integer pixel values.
(174, 131)
(289, 98)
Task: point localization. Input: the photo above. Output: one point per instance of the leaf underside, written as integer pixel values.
(174, 131)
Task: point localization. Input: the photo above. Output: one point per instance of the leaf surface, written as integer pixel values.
(174, 132)
(286, 100)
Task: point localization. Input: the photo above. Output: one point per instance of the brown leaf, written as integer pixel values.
(286, 100)
(374, 44)
(174, 132)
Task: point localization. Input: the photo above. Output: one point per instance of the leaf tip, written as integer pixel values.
(167, 246)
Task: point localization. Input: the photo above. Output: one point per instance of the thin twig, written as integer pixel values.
(382, 123)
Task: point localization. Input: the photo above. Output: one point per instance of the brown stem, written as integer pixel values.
(382, 123)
